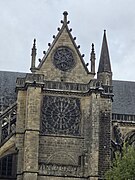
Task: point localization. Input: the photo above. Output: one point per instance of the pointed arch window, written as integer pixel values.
(8, 166)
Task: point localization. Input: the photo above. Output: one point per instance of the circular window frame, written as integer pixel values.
(72, 63)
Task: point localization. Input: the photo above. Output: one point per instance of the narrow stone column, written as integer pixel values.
(94, 147)
(20, 128)
(31, 136)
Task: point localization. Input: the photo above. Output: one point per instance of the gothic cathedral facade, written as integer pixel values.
(60, 126)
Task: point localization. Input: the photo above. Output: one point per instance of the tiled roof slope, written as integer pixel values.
(7, 88)
(124, 93)
(124, 97)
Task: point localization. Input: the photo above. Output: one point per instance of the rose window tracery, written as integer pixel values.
(63, 59)
(61, 115)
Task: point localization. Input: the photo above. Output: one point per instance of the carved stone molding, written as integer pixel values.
(59, 170)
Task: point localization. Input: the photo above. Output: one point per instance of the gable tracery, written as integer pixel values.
(63, 58)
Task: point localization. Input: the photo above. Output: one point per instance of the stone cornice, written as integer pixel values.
(38, 80)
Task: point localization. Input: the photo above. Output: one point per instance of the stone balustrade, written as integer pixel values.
(8, 122)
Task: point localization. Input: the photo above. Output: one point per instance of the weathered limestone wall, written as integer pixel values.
(27, 132)
(57, 154)
(105, 135)
(60, 150)
(65, 151)
(94, 143)
(20, 129)
(31, 137)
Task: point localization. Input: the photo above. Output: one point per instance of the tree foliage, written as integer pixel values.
(123, 167)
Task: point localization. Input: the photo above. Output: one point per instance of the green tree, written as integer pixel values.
(123, 167)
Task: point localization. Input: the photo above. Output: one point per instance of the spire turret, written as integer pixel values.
(104, 63)
(92, 59)
(104, 73)
(33, 59)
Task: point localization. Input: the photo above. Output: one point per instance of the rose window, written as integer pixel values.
(63, 59)
(60, 115)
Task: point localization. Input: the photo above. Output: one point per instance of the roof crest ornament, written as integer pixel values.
(64, 21)
(93, 48)
(34, 44)
(65, 17)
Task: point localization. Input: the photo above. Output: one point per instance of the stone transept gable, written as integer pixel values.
(76, 70)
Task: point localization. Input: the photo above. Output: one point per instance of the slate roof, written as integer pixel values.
(124, 97)
(124, 93)
(7, 88)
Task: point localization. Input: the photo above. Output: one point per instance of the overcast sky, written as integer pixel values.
(23, 20)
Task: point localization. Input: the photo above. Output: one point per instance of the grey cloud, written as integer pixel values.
(21, 21)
